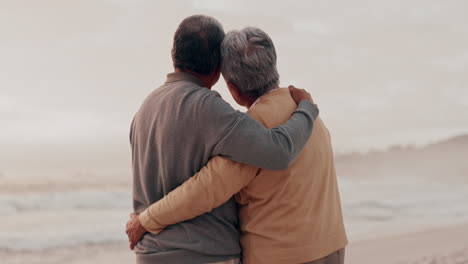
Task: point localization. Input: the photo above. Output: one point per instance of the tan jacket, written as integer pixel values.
(289, 216)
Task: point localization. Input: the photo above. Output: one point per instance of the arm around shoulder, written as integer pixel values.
(275, 149)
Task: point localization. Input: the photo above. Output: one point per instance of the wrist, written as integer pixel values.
(306, 106)
(149, 223)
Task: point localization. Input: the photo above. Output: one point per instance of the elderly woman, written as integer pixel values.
(288, 216)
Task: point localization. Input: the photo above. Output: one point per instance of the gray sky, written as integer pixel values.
(73, 73)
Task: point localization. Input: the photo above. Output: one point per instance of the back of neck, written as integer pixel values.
(206, 80)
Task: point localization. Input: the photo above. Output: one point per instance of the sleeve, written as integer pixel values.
(212, 186)
(248, 141)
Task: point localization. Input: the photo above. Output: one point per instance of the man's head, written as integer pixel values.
(196, 47)
(249, 64)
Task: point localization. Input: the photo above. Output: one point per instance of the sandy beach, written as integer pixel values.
(446, 245)
(434, 246)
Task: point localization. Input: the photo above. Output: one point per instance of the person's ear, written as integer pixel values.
(173, 56)
(234, 91)
(217, 74)
(237, 95)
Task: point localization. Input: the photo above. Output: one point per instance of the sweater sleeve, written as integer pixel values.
(248, 141)
(212, 186)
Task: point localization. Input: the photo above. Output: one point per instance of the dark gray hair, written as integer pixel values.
(249, 61)
(197, 44)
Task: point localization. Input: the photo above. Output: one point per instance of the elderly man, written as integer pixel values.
(288, 216)
(181, 125)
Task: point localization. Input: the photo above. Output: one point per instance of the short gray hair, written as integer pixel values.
(249, 61)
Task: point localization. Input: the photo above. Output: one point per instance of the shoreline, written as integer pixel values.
(109, 253)
(440, 245)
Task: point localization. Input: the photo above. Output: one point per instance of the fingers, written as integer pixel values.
(293, 89)
(133, 240)
(299, 94)
(132, 244)
(128, 226)
(130, 233)
(130, 240)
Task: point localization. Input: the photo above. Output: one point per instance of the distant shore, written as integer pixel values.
(436, 246)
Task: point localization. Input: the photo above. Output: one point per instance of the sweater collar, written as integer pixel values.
(183, 76)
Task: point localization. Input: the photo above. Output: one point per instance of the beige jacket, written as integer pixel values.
(289, 216)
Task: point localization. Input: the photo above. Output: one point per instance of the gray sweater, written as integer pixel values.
(179, 127)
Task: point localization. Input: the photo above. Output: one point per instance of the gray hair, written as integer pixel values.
(249, 61)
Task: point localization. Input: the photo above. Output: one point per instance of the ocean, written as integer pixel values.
(32, 220)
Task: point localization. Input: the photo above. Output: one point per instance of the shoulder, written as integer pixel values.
(212, 101)
(209, 107)
(273, 109)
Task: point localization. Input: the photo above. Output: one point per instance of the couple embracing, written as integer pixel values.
(215, 185)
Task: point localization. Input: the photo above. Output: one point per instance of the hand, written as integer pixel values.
(135, 230)
(299, 94)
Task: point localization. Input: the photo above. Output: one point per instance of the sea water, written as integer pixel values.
(38, 220)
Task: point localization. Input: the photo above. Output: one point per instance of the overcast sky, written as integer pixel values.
(73, 73)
